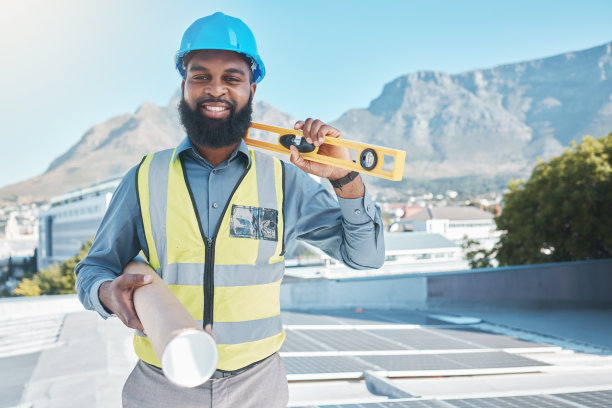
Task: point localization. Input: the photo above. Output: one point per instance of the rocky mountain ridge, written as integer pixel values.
(490, 121)
(486, 123)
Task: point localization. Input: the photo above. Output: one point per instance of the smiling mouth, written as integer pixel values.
(215, 108)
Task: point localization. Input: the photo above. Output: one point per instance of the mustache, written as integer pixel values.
(202, 101)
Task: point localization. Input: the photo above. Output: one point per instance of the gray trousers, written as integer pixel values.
(262, 386)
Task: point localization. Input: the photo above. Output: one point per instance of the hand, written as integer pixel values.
(117, 296)
(315, 132)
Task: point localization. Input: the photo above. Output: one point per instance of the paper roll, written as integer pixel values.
(187, 353)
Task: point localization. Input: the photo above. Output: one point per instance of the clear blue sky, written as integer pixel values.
(70, 64)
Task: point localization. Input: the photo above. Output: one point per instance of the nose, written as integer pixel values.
(216, 88)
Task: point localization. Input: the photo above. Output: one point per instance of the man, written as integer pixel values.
(213, 219)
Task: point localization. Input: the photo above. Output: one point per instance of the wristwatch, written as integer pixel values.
(344, 180)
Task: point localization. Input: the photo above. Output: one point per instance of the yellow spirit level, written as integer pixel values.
(370, 159)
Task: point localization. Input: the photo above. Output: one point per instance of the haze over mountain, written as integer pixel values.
(112, 147)
(490, 121)
(485, 122)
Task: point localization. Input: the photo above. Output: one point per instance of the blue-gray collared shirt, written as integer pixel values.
(346, 229)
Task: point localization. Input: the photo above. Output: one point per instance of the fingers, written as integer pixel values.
(131, 320)
(298, 160)
(122, 293)
(125, 310)
(133, 281)
(315, 131)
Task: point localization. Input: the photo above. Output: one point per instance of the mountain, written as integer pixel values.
(110, 148)
(489, 121)
(483, 124)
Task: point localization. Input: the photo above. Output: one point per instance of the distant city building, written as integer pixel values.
(420, 248)
(418, 252)
(454, 223)
(18, 231)
(70, 220)
(18, 241)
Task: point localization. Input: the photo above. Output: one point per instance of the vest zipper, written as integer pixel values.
(209, 280)
(209, 251)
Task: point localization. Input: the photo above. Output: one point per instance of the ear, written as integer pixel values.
(183, 86)
(253, 88)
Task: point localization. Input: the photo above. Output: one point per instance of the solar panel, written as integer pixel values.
(423, 340)
(323, 365)
(592, 399)
(355, 318)
(455, 361)
(394, 404)
(23, 336)
(418, 362)
(486, 339)
(350, 340)
(526, 401)
(494, 359)
(297, 341)
(405, 317)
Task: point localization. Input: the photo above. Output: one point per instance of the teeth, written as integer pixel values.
(215, 108)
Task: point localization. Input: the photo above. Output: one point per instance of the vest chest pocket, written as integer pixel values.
(254, 222)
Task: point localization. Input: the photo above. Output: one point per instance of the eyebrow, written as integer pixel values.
(229, 70)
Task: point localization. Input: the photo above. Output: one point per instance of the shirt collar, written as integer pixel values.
(186, 145)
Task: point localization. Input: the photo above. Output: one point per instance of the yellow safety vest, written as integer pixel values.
(231, 279)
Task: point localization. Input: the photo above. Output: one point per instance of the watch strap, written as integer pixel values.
(344, 180)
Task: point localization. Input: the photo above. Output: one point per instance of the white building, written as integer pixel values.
(70, 220)
(18, 231)
(416, 252)
(454, 223)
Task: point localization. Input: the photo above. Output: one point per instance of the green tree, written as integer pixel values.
(58, 279)
(477, 256)
(563, 212)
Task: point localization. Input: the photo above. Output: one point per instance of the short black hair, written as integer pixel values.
(248, 60)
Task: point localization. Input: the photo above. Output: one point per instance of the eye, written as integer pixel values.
(232, 79)
(199, 77)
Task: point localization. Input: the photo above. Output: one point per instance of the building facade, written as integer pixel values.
(70, 220)
(453, 223)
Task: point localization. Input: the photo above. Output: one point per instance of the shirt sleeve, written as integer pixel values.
(349, 230)
(116, 243)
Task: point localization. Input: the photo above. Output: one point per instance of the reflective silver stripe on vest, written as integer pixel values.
(192, 274)
(266, 190)
(244, 332)
(243, 275)
(158, 196)
(188, 274)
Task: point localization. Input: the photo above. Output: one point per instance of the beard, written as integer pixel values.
(211, 132)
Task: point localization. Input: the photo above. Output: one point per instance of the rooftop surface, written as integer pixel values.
(450, 213)
(414, 241)
(53, 355)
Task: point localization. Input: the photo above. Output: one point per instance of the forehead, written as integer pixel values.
(212, 59)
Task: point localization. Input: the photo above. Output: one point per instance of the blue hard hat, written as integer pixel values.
(220, 32)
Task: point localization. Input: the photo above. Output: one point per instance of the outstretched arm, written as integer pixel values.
(348, 228)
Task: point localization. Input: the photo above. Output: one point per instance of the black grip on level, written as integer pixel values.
(303, 146)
